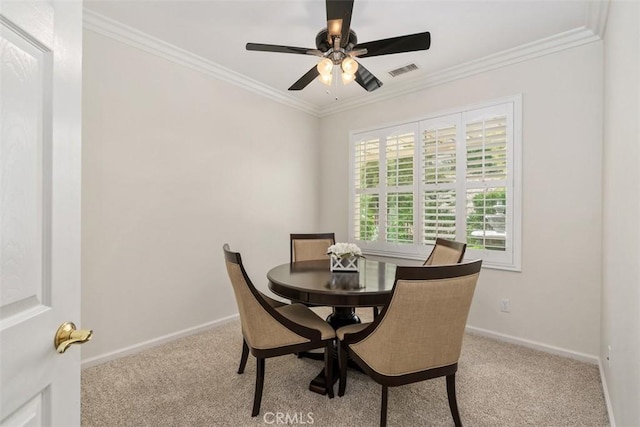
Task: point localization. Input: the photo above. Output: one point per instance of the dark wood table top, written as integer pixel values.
(313, 283)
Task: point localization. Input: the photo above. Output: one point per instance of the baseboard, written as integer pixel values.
(583, 357)
(607, 398)
(103, 358)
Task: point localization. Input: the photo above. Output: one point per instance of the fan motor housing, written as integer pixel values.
(322, 42)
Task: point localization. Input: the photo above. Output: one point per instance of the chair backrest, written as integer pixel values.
(446, 252)
(423, 325)
(310, 247)
(262, 326)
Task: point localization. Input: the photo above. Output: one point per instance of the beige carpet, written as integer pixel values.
(193, 382)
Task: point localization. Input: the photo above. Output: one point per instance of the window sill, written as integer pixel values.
(418, 261)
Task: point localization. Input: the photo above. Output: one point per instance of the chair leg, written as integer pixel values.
(328, 368)
(453, 404)
(244, 357)
(383, 409)
(257, 398)
(342, 363)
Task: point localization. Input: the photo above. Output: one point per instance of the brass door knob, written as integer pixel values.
(67, 335)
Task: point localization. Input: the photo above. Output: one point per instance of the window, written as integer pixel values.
(455, 176)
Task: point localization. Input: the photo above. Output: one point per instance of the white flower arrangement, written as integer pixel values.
(342, 250)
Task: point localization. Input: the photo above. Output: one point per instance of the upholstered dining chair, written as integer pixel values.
(418, 335)
(310, 247)
(245, 351)
(443, 252)
(269, 331)
(446, 252)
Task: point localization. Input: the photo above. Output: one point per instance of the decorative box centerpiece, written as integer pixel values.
(344, 257)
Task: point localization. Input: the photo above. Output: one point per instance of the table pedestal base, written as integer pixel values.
(317, 385)
(341, 316)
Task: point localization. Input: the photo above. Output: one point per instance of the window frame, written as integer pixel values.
(510, 259)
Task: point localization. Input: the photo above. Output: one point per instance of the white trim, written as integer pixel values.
(435, 114)
(123, 33)
(591, 32)
(582, 357)
(558, 351)
(516, 262)
(605, 391)
(107, 357)
(596, 19)
(511, 258)
(556, 43)
(136, 348)
(392, 257)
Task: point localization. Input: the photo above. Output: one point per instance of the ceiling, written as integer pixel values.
(462, 32)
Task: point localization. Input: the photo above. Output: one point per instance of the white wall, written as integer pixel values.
(175, 163)
(555, 300)
(621, 237)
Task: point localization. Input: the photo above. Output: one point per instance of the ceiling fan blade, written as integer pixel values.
(408, 43)
(306, 79)
(339, 10)
(367, 80)
(282, 49)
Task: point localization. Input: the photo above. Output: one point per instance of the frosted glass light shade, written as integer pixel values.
(347, 78)
(326, 78)
(349, 65)
(325, 67)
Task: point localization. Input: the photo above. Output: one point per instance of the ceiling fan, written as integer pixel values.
(338, 45)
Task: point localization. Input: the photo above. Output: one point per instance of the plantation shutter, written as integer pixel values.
(454, 176)
(399, 161)
(487, 194)
(439, 177)
(367, 189)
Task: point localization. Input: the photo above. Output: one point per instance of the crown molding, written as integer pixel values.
(596, 19)
(558, 42)
(593, 30)
(123, 33)
(595, 23)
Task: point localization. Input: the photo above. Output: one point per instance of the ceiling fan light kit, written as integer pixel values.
(347, 78)
(326, 78)
(337, 44)
(325, 69)
(348, 65)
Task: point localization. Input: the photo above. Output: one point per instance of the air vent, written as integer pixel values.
(403, 70)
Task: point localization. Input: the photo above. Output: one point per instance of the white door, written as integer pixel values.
(40, 131)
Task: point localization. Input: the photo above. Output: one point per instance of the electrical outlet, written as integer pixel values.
(504, 305)
(609, 356)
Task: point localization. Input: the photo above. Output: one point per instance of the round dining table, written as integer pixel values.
(313, 283)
